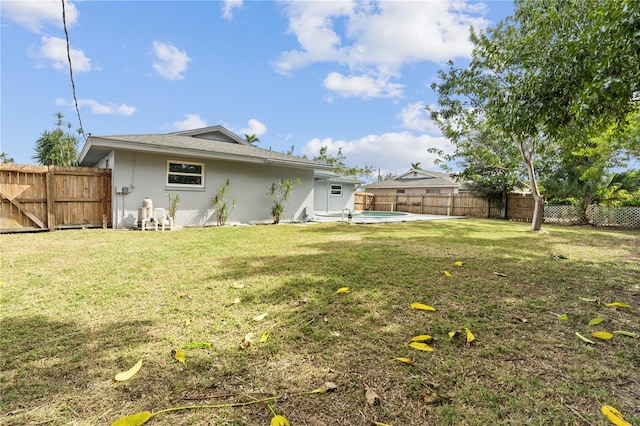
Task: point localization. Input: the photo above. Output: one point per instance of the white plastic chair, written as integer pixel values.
(162, 219)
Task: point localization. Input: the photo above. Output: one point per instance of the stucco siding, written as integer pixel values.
(145, 176)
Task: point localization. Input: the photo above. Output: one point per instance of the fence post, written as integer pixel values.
(51, 199)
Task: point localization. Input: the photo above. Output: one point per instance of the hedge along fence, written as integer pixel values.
(40, 198)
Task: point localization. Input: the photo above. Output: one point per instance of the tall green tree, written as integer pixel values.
(552, 66)
(57, 147)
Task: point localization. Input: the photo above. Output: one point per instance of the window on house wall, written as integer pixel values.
(433, 191)
(189, 175)
(336, 190)
(399, 191)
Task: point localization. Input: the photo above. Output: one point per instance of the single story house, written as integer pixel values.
(195, 164)
(416, 181)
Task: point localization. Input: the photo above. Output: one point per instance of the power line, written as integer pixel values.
(73, 85)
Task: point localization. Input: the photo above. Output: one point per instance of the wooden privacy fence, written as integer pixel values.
(517, 207)
(37, 198)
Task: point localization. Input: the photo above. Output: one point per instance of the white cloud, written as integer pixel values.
(35, 14)
(170, 63)
(415, 117)
(54, 49)
(191, 121)
(377, 38)
(109, 108)
(254, 127)
(229, 5)
(389, 152)
(363, 86)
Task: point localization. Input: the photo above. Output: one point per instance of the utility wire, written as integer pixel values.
(73, 85)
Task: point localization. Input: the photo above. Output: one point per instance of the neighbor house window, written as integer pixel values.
(433, 191)
(336, 190)
(399, 191)
(180, 173)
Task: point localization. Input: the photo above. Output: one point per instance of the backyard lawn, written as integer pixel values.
(80, 306)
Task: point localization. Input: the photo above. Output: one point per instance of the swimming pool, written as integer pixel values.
(365, 213)
(367, 216)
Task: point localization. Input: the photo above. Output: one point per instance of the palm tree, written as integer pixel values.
(57, 147)
(415, 166)
(251, 138)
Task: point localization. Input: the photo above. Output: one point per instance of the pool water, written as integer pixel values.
(365, 213)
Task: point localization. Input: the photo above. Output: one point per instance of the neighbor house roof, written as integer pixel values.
(213, 142)
(417, 179)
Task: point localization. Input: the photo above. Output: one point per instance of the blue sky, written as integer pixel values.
(307, 74)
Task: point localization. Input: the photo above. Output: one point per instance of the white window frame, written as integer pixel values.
(335, 190)
(185, 185)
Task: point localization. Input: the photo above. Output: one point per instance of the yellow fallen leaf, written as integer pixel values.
(619, 305)
(458, 263)
(327, 387)
(187, 322)
(584, 339)
(265, 336)
(626, 333)
(236, 300)
(133, 420)
(374, 423)
(260, 317)
(602, 335)
(563, 317)
(585, 299)
(126, 375)
(434, 398)
(500, 274)
(596, 321)
(422, 307)
(446, 273)
(405, 360)
(453, 334)
(470, 336)
(342, 290)
(180, 356)
(236, 285)
(278, 420)
(421, 346)
(614, 416)
(421, 338)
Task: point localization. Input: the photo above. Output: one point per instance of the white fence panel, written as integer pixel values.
(560, 214)
(624, 217)
(619, 217)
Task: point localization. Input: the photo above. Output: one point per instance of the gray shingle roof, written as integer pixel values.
(422, 179)
(178, 144)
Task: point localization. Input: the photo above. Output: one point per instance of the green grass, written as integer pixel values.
(80, 306)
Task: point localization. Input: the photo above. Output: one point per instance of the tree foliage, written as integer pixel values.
(252, 139)
(57, 147)
(5, 159)
(552, 68)
(339, 166)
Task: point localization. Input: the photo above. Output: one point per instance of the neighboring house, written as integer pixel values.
(334, 192)
(194, 164)
(416, 181)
